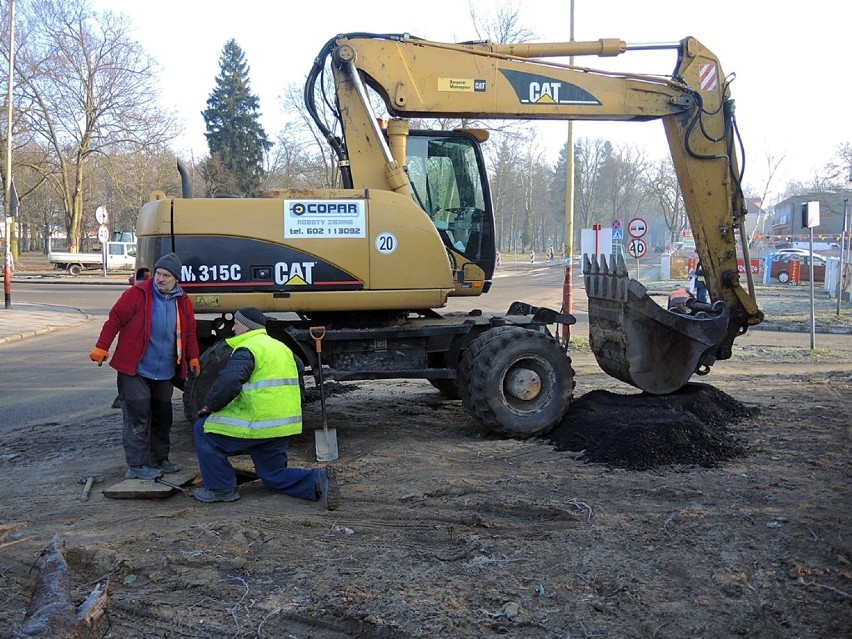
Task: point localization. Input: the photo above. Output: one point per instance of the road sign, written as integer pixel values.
(101, 215)
(637, 227)
(103, 233)
(616, 224)
(637, 248)
(617, 235)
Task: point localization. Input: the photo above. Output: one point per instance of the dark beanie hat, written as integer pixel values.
(250, 317)
(171, 263)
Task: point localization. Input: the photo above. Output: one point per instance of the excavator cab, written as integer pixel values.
(447, 175)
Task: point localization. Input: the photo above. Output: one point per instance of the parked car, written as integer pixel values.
(781, 265)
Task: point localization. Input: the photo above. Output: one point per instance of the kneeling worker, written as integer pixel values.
(254, 407)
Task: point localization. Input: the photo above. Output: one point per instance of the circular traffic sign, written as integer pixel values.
(103, 233)
(637, 227)
(101, 215)
(637, 247)
(616, 224)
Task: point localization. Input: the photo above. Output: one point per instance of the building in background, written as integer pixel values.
(786, 230)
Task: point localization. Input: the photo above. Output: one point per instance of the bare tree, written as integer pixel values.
(126, 181)
(839, 169)
(302, 140)
(87, 88)
(663, 184)
(506, 192)
(590, 158)
(773, 164)
(503, 24)
(621, 182)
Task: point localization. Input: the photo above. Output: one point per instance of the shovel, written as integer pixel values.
(326, 439)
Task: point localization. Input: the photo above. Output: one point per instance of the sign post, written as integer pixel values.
(810, 219)
(637, 247)
(102, 217)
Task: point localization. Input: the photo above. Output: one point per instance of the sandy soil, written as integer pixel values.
(722, 511)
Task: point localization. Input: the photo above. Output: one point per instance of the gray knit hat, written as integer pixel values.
(251, 318)
(171, 263)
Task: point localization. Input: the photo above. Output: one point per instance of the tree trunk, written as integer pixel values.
(50, 613)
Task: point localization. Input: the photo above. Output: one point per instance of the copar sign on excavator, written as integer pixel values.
(412, 224)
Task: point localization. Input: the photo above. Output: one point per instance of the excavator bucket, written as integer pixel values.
(636, 340)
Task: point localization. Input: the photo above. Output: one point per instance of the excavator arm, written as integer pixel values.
(631, 335)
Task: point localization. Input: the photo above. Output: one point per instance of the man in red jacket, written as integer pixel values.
(155, 324)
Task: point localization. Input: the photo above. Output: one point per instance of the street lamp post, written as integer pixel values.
(567, 286)
(7, 269)
(843, 256)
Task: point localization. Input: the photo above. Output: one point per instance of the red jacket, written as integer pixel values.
(130, 319)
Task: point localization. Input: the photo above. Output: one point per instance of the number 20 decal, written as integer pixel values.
(386, 243)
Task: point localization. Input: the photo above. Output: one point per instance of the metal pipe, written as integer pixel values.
(811, 278)
(361, 91)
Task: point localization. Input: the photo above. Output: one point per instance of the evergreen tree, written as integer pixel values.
(236, 140)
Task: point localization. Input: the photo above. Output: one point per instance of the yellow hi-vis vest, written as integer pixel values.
(270, 402)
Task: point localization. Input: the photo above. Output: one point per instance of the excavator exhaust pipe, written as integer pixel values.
(636, 340)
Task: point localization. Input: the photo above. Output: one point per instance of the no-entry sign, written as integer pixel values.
(637, 227)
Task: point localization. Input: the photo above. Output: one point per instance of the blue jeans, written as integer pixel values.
(270, 463)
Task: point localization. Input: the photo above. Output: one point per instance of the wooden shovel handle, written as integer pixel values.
(317, 333)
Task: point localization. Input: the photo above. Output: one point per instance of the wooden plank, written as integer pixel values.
(147, 488)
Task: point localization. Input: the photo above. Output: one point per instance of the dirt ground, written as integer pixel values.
(722, 511)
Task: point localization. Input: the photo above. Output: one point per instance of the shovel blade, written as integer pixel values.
(326, 444)
(636, 340)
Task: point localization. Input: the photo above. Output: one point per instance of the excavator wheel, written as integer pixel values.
(195, 389)
(516, 381)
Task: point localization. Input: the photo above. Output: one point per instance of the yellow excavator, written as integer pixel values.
(412, 224)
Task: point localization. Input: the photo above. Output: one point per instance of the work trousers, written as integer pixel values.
(146, 407)
(270, 463)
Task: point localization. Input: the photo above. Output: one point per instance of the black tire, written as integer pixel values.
(195, 389)
(75, 269)
(464, 373)
(501, 355)
(783, 277)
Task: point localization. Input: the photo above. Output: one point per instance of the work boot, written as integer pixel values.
(210, 495)
(328, 490)
(168, 467)
(142, 472)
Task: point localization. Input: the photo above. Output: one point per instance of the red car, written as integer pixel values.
(782, 263)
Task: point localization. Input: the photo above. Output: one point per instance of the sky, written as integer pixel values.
(792, 91)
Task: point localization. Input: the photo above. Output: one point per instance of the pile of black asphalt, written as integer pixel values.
(642, 431)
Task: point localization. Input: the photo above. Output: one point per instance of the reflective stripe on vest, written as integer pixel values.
(270, 382)
(269, 403)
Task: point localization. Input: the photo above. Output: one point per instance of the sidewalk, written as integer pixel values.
(25, 320)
